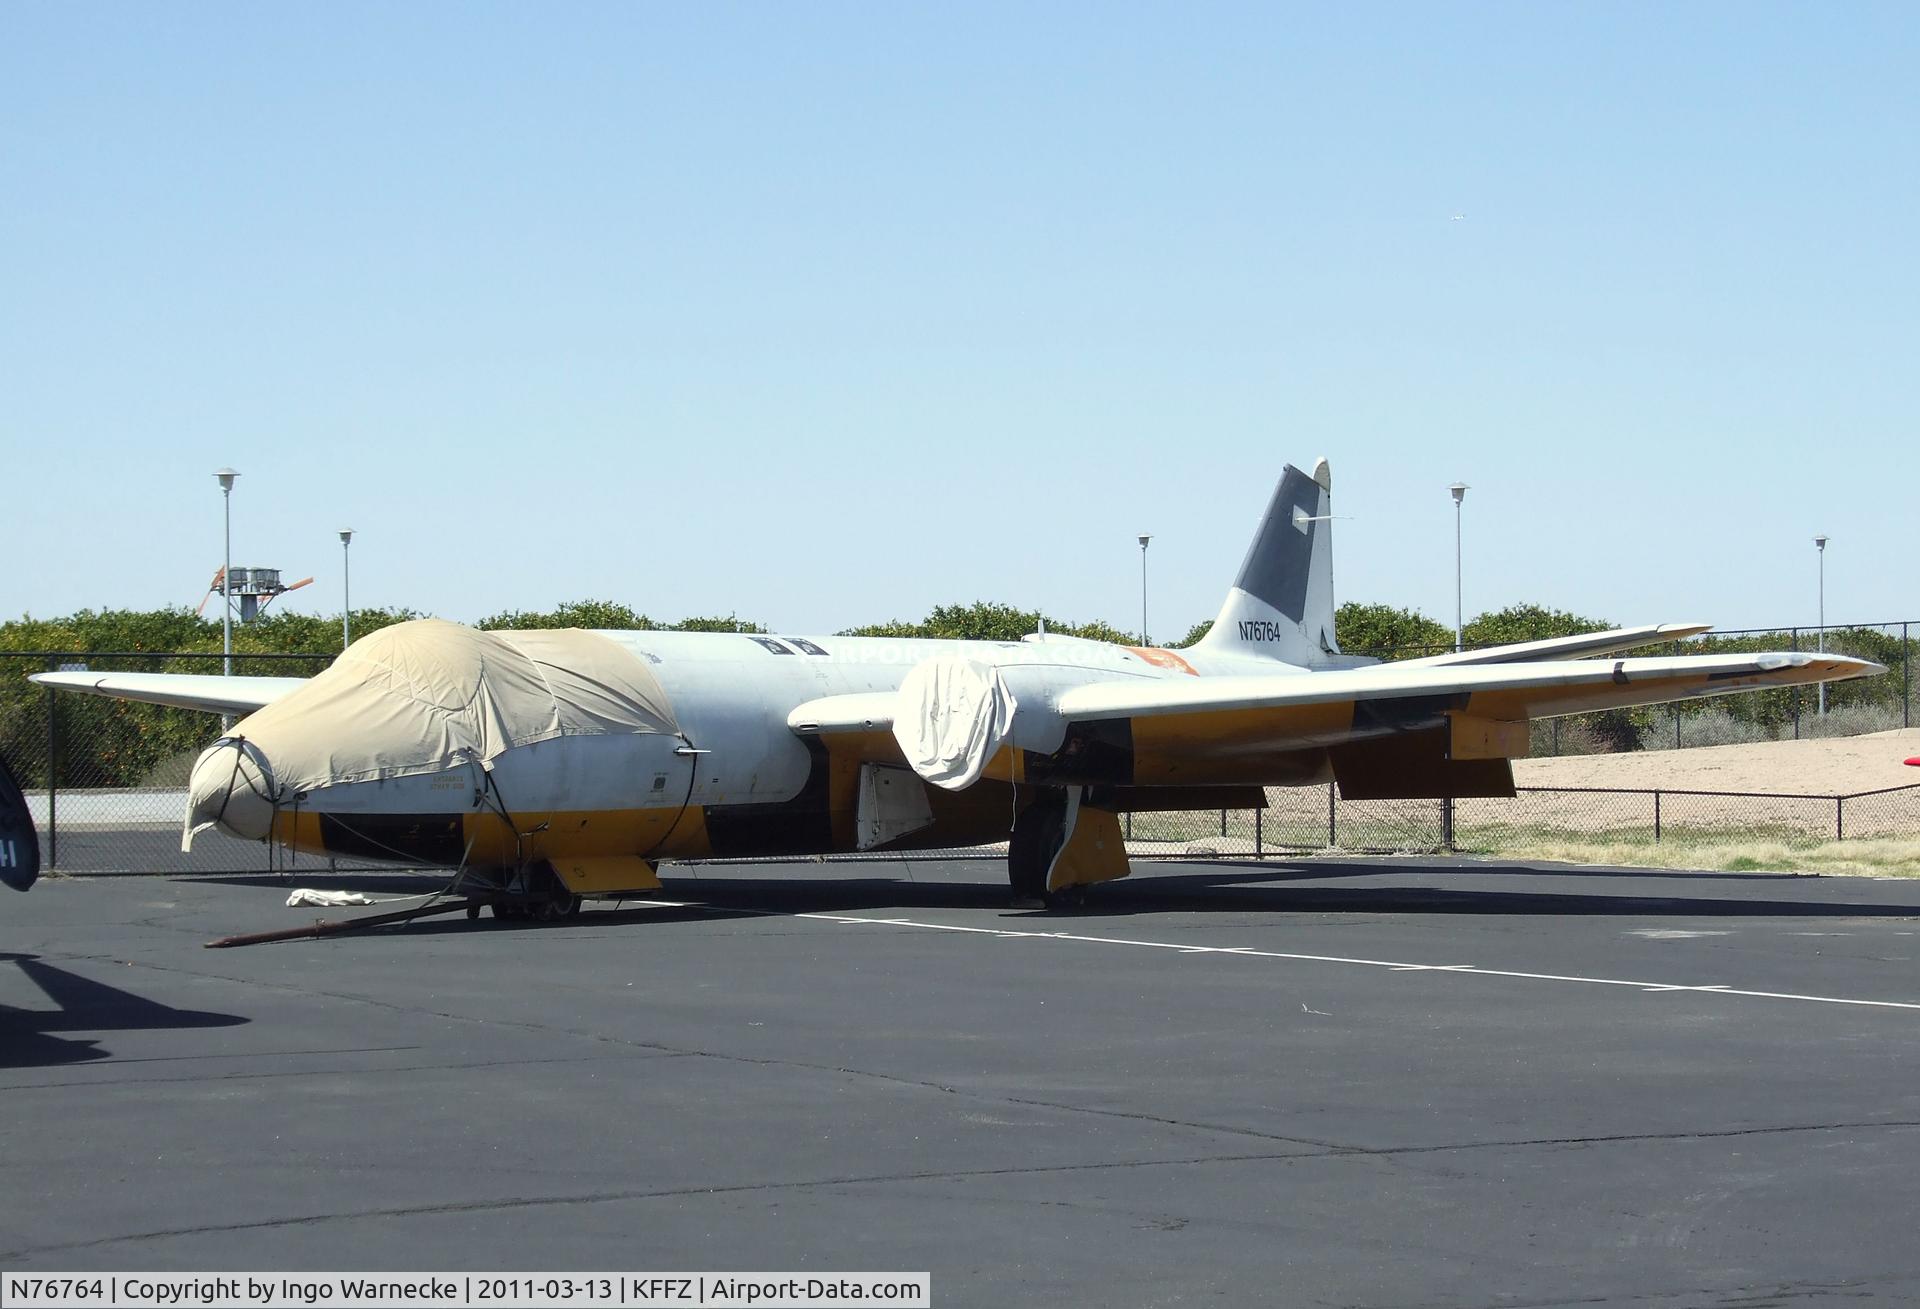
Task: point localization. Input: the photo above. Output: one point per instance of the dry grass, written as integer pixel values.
(1869, 858)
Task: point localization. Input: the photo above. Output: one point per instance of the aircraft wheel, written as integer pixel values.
(555, 907)
(473, 911)
(1037, 834)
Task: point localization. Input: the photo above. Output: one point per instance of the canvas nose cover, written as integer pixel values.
(231, 788)
(422, 697)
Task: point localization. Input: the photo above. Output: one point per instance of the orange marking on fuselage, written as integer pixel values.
(1159, 658)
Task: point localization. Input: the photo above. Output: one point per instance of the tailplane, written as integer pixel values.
(1281, 605)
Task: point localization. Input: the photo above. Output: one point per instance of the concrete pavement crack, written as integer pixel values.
(616, 1197)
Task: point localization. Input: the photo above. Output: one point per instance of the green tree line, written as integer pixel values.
(116, 743)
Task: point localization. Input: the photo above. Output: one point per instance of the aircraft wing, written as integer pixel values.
(1584, 646)
(1386, 731)
(1504, 691)
(207, 691)
(1507, 691)
(834, 714)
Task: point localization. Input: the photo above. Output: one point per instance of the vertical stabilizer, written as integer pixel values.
(1281, 605)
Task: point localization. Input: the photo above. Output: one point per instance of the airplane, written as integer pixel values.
(548, 766)
(19, 842)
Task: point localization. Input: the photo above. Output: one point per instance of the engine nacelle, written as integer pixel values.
(954, 714)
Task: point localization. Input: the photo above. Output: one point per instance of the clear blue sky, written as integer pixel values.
(830, 313)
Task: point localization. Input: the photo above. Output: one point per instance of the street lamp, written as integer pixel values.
(1144, 538)
(226, 476)
(1459, 490)
(346, 588)
(1820, 544)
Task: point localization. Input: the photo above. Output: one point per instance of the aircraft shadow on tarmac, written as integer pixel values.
(1196, 888)
(83, 1005)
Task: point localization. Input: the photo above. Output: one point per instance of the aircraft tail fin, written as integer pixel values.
(1281, 604)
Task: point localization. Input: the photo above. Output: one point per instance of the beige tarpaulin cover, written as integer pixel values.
(951, 716)
(424, 696)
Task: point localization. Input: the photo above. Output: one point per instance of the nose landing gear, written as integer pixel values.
(533, 894)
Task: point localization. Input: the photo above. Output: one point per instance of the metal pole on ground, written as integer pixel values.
(225, 477)
(1820, 544)
(346, 588)
(1459, 493)
(1794, 645)
(1144, 538)
(1459, 490)
(53, 783)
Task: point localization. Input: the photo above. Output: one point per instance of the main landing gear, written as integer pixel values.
(1060, 847)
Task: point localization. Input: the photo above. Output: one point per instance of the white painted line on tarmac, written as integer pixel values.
(1395, 965)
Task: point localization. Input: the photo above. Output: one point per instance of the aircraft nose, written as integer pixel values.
(232, 788)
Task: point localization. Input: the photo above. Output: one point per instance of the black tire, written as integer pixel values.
(1037, 833)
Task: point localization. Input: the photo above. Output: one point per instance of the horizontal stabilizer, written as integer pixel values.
(205, 691)
(1584, 646)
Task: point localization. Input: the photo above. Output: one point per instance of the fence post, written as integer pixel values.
(1446, 823)
(53, 783)
(1223, 822)
(1794, 644)
(1839, 817)
(1906, 679)
(1258, 852)
(1333, 834)
(1656, 818)
(1676, 725)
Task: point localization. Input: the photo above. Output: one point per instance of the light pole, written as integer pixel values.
(346, 588)
(1459, 490)
(1820, 544)
(1144, 538)
(226, 476)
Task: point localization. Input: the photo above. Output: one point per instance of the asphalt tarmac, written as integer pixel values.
(1362, 1082)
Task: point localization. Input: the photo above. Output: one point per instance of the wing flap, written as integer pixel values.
(211, 693)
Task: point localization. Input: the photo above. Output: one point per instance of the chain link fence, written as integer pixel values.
(1311, 819)
(106, 779)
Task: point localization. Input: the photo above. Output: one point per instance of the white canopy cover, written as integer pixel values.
(425, 696)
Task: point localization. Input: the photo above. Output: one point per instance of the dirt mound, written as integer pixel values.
(1840, 766)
